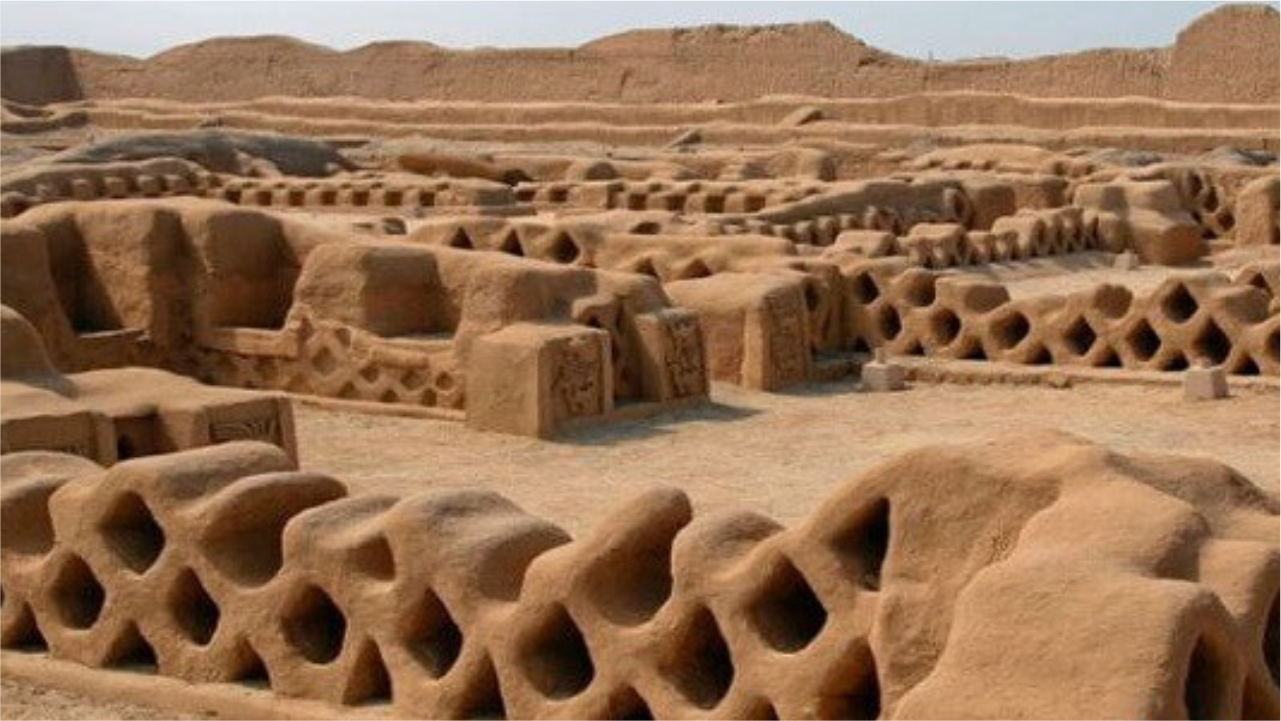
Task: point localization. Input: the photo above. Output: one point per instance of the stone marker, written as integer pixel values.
(1205, 384)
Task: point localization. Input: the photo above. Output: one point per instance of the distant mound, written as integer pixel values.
(1229, 53)
(790, 36)
(1227, 56)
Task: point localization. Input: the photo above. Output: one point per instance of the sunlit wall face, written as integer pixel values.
(917, 29)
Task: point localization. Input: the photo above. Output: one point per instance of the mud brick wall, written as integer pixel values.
(226, 564)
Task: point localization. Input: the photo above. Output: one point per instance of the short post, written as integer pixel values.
(1128, 260)
(1205, 383)
(881, 374)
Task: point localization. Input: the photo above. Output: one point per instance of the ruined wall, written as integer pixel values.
(41, 75)
(683, 65)
(227, 565)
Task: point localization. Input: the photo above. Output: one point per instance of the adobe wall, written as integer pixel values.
(1226, 56)
(228, 565)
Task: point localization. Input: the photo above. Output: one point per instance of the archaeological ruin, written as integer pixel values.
(390, 382)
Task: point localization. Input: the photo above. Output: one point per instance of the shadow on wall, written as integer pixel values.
(39, 75)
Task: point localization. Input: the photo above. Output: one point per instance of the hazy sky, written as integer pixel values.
(947, 30)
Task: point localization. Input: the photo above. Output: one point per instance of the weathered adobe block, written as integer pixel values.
(756, 327)
(112, 415)
(1144, 216)
(529, 379)
(1257, 213)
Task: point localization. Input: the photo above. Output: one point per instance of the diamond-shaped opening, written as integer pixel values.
(431, 636)
(555, 658)
(627, 704)
(695, 269)
(314, 626)
(1179, 305)
(412, 380)
(511, 244)
(889, 323)
(24, 633)
(646, 227)
(1245, 366)
(77, 594)
(1258, 280)
(698, 663)
(646, 267)
(1143, 341)
(251, 670)
(864, 543)
(1079, 336)
(461, 240)
(563, 249)
(1210, 199)
(1040, 356)
(138, 436)
(856, 692)
(1010, 329)
(369, 683)
(864, 288)
(1211, 344)
(785, 611)
(945, 326)
(131, 532)
(1176, 361)
(132, 651)
(1226, 220)
(483, 697)
(1107, 358)
(1205, 683)
(194, 611)
(324, 362)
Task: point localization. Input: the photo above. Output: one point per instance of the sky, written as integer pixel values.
(942, 30)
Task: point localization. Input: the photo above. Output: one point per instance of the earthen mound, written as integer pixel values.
(721, 38)
(1228, 56)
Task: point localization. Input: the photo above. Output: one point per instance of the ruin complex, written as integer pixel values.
(199, 246)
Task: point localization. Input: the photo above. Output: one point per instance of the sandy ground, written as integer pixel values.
(22, 701)
(780, 454)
